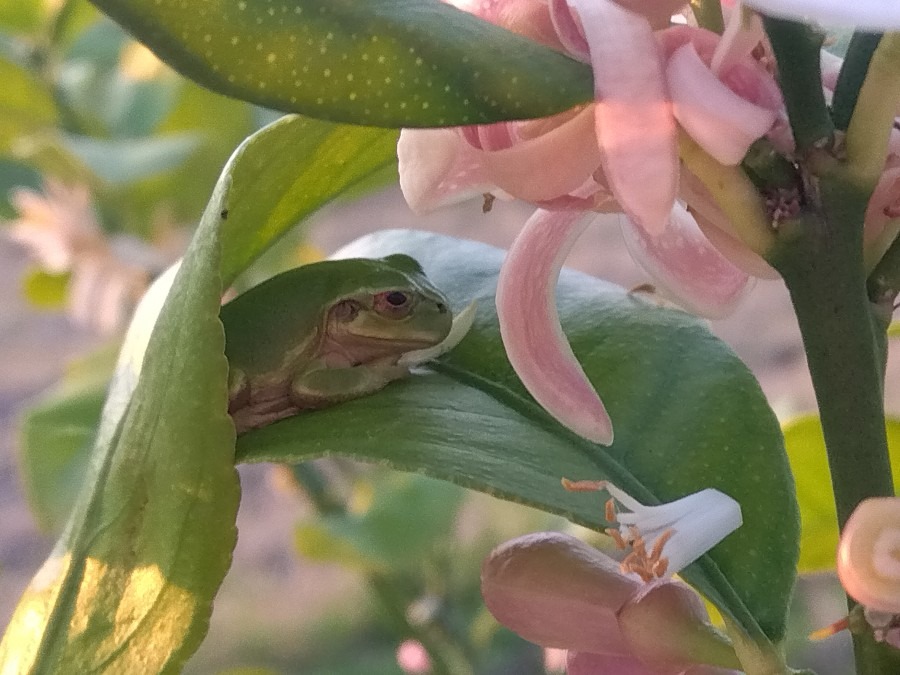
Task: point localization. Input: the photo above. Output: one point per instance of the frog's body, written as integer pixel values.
(325, 333)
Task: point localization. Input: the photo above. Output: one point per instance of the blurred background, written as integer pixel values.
(107, 159)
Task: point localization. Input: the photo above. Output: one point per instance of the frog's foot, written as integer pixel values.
(327, 386)
(261, 412)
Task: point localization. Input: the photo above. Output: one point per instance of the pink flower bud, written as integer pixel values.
(557, 591)
(868, 561)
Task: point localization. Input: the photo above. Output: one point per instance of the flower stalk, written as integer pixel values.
(822, 267)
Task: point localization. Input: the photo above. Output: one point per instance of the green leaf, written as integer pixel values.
(408, 514)
(46, 291)
(894, 330)
(809, 461)
(24, 16)
(390, 63)
(26, 105)
(687, 415)
(127, 160)
(129, 586)
(56, 436)
(302, 165)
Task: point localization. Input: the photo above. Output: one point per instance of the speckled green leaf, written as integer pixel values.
(129, 586)
(809, 461)
(391, 63)
(687, 415)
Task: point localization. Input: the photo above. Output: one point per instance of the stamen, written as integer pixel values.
(610, 510)
(583, 485)
(832, 629)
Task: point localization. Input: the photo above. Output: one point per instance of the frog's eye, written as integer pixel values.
(396, 298)
(393, 304)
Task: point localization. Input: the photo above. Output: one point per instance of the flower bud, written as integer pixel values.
(666, 627)
(868, 561)
(557, 591)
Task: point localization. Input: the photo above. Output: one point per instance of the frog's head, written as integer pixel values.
(394, 307)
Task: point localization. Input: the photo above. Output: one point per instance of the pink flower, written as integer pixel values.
(868, 562)
(675, 110)
(559, 592)
(617, 617)
(621, 153)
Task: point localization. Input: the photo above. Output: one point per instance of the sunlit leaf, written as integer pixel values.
(894, 330)
(687, 414)
(129, 586)
(393, 63)
(809, 461)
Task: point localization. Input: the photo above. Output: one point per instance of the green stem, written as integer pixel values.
(850, 79)
(823, 269)
(797, 48)
(708, 14)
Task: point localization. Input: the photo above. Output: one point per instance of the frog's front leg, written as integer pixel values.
(326, 386)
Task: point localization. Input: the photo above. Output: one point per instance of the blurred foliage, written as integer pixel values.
(809, 462)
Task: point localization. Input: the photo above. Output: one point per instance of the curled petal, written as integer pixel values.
(722, 123)
(683, 262)
(863, 14)
(635, 127)
(868, 561)
(557, 591)
(437, 168)
(549, 165)
(568, 28)
(688, 527)
(529, 324)
(743, 32)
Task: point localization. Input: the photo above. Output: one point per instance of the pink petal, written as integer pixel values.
(683, 262)
(585, 663)
(530, 18)
(667, 627)
(743, 33)
(635, 127)
(530, 328)
(716, 226)
(437, 168)
(549, 165)
(721, 122)
(568, 28)
(557, 591)
(863, 14)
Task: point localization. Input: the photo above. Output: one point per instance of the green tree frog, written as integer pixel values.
(325, 333)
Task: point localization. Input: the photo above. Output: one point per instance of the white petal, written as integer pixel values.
(864, 14)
